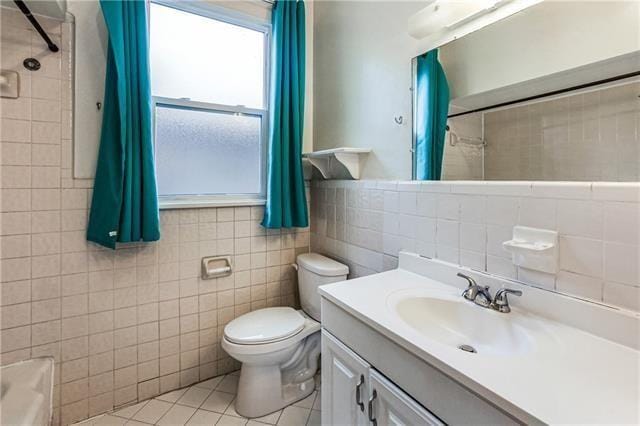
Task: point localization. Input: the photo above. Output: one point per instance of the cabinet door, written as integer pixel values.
(391, 406)
(344, 384)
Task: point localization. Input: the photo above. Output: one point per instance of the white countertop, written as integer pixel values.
(572, 377)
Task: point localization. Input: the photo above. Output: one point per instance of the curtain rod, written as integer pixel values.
(547, 94)
(26, 12)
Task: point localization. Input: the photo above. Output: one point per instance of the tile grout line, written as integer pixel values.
(211, 391)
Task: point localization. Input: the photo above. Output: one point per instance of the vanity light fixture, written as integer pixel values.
(442, 21)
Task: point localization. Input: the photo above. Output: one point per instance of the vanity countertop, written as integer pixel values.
(572, 377)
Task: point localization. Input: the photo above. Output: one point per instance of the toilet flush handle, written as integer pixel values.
(295, 266)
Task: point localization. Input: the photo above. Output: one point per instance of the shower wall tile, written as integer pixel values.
(591, 136)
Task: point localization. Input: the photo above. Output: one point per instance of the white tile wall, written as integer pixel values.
(593, 136)
(590, 136)
(463, 160)
(123, 325)
(466, 223)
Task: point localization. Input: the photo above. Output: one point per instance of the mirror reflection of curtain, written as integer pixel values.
(432, 108)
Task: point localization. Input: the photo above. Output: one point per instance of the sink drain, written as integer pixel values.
(467, 348)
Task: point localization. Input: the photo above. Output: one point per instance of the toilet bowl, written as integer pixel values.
(279, 347)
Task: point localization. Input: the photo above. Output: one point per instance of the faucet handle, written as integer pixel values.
(471, 291)
(500, 300)
(483, 298)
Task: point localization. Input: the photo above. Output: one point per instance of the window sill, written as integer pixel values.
(194, 203)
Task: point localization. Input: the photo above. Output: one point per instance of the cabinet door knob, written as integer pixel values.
(372, 418)
(359, 402)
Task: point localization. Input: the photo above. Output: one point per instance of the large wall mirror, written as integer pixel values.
(549, 93)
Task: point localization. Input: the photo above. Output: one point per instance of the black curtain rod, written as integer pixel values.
(25, 10)
(552, 93)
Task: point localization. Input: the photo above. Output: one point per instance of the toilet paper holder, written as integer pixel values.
(216, 267)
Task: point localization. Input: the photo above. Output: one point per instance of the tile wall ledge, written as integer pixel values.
(599, 191)
(211, 203)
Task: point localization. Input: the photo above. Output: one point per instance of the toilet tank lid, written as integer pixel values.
(322, 265)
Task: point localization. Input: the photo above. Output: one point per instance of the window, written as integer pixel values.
(209, 80)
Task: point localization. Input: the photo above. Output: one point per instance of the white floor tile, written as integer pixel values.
(270, 419)
(307, 402)
(108, 420)
(204, 418)
(211, 383)
(231, 410)
(152, 412)
(194, 397)
(177, 415)
(231, 421)
(317, 404)
(314, 418)
(199, 405)
(294, 416)
(130, 411)
(103, 420)
(229, 384)
(218, 401)
(172, 396)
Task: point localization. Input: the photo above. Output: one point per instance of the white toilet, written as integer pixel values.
(279, 347)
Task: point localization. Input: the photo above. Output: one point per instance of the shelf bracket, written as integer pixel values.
(351, 158)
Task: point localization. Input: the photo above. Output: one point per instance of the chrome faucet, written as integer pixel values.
(475, 293)
(500, 302)
(481, 296)
(471, 291)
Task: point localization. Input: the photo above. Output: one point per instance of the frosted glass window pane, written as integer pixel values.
(207, 152)
(204, 59)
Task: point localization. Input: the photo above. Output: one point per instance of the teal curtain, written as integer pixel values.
(124, 207)
(432, 108)
(286, 199)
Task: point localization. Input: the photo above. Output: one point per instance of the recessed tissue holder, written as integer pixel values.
(216, 267)
(533, 248)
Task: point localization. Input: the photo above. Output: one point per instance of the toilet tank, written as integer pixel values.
(315, 270)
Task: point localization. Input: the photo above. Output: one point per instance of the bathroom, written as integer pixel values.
(331, 269)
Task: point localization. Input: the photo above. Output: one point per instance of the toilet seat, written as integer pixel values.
(266, 325)
(310, 326)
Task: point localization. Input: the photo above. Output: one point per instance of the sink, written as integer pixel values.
(453, 321)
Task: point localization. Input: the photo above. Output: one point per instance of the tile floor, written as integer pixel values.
(208, 403)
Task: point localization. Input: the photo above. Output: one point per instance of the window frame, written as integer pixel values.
(229, 199)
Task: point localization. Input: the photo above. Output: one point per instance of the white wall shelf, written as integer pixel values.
(325, 161)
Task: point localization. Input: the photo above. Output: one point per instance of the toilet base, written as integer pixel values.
(264, 389)
(257, 398)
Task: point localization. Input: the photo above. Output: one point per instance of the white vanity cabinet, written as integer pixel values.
(345, 378)
(353, 393)
(390, 406)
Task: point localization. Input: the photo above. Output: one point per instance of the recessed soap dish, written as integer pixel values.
(527, 246)
(533, 248)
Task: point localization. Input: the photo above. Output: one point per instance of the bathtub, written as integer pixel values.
(27, 392)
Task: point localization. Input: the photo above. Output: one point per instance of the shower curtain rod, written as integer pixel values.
(27, 13)
(547, 94)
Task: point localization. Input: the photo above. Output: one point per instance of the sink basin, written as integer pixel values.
(455, 322)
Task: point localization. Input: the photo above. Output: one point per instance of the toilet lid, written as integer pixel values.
(264, 326)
